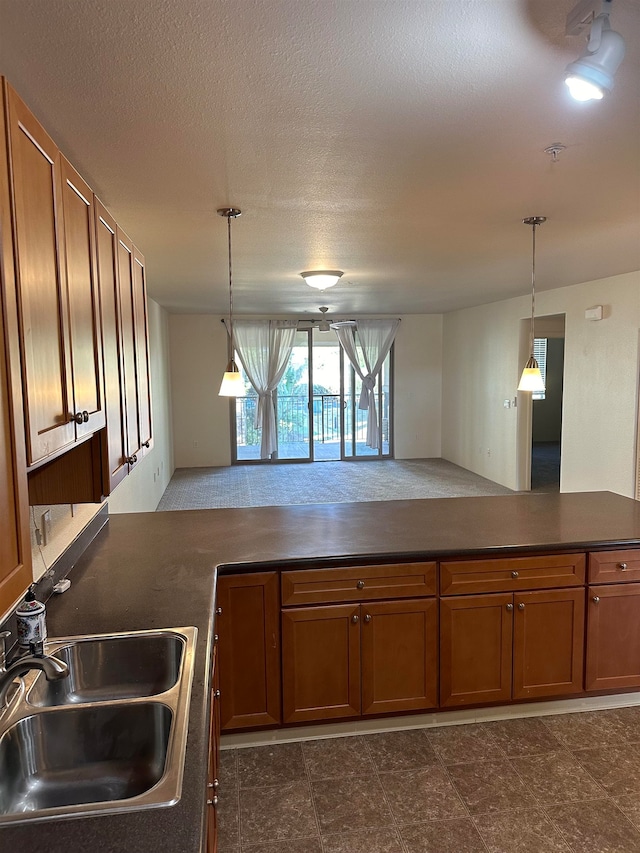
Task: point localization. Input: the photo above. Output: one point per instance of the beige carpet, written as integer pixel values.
(322, 482)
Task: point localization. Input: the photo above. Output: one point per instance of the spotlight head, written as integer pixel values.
(592, 75)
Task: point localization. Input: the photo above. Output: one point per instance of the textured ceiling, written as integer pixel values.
(398, 140)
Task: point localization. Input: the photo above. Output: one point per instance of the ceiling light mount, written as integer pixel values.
(324, 325)
(322, 279)
(531, 379)
(554, 150)
(592, 75)
(232, 384)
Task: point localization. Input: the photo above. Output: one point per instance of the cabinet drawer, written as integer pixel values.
(360, 583)
(614, 566)
(512, 573)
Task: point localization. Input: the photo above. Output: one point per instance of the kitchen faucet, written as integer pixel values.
(53, 668)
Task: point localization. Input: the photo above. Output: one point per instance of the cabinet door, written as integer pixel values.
(128, 327)
(15, 549)
(399, 655)
(476, 633)
(85, 333)
(41, 289)
(613, 637)
(249, 649)
(107, 266)
(548, 643)
(141, 332)
(321, 662)
(214, 746)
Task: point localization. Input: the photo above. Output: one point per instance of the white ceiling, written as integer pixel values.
(398, 140)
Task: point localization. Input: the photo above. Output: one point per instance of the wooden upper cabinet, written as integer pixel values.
(60, 329)
(85, 333)
(143, 381)
(114, 389)
(15, 547)
(44, 331)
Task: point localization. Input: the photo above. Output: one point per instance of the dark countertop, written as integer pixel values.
(156, 570)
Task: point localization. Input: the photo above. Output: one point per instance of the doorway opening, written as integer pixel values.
(317, 414)
(540, 413)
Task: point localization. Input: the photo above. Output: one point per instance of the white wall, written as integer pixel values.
(201, 419)
(481, 367)
(142, 489)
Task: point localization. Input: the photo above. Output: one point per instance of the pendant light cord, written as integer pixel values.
(231, 290)
(533, 287)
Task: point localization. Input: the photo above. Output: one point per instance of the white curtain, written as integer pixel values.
(264, 347)
(375, 338)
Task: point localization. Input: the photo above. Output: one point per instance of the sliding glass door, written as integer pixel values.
(317, 412)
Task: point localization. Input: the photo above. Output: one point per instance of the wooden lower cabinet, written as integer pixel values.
(248, 624)
(345, 660)
(503, 646)
(613, 636)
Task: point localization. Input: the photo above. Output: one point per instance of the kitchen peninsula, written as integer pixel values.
(157, 570)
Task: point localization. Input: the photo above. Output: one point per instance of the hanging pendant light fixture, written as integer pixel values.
(232, 384)
(531, 379)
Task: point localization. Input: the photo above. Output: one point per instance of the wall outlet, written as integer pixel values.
(45, 527)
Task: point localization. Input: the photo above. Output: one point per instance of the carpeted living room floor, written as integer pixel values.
(322, 482)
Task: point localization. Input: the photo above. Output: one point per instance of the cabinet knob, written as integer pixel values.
(509, 607)
(219, 611)
(354, 619)
(85, 417)
(521, 606)
(360, 584)
(215, 785)
(367, 618)
(514, 574)
(146, 444)
(623, 567)
(595, 599)
(132, 459)
(215, 639)
(77, 418)
(213, 801)
(216, 694)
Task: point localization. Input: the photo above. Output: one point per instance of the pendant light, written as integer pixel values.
(232, 384)
(531, 379)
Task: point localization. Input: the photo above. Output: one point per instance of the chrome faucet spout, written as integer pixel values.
(52, 668)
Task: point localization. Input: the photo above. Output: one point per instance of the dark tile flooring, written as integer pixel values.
(560, 784)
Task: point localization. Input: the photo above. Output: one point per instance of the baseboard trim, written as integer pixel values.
(437, 718)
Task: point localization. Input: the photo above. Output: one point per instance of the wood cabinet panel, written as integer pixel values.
(42, 303)
(358, 583)
(613, 637)
(511, 574)
(321, 663)
(141, 333)
(214, 758)
(15, 549)
(614, 566)
(107, 267)
(548, 643)
(249, 649)
(476, 634)
(85, 332)
(399, 645)
(128, 326)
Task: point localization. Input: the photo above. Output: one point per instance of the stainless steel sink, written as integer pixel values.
(102, 669)
(83, 755)
(112, 739)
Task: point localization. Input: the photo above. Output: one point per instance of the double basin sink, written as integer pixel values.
(110, 737)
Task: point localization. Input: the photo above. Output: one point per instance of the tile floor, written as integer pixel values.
(560, 784)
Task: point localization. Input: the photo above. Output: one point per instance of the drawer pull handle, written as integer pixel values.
(514, 575)
(360, 584)
(354, 619)
(521, 606)
(623, 567)
(367, 618)
(595, 599)
(509, 607)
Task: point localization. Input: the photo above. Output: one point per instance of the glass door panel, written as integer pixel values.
(326, 397)
(355, 419)
(292, 403)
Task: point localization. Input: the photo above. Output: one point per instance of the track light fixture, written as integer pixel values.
(591, 76)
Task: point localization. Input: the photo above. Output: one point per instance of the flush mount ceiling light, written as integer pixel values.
(531, 379)
(232, 384)
(591, 76)
(322, 279)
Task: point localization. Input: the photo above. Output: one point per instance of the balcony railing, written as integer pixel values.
(292, 417)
